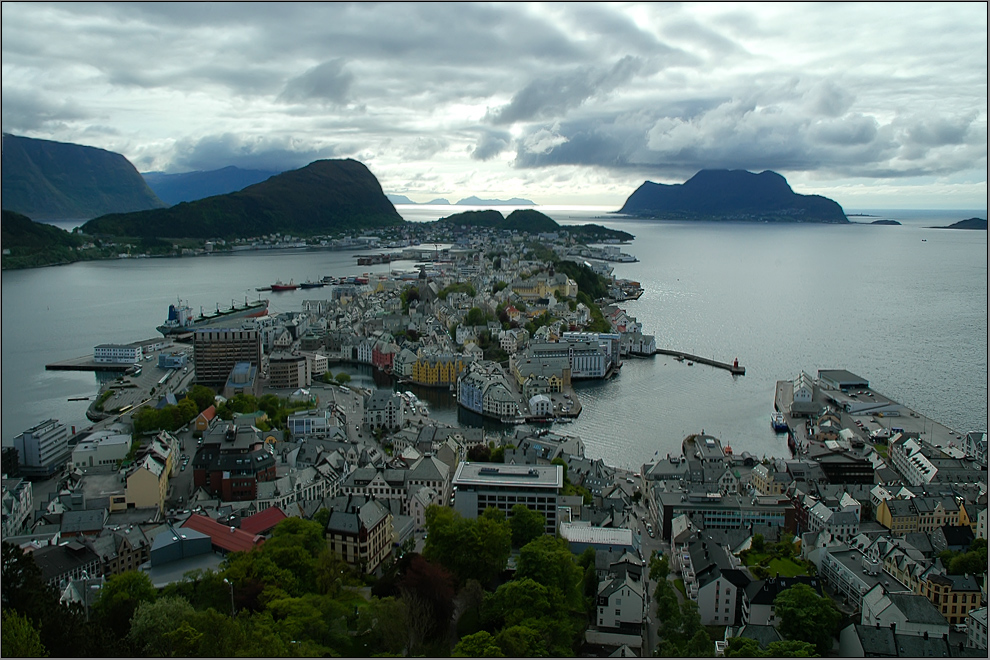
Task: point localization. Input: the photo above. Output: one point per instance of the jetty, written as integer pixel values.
(87, 363)
(732, 368)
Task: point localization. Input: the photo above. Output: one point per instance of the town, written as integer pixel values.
(215, 433)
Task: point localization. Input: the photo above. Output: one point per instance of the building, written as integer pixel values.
(232, 462)
(758, 597)
(953, 595)
(71, 561)
(360, 531)
(438, 370)
(911, 614)
(224, 539)
(43, 450)
(118, 354)
(147, 483)
(243, 379)
(384, 408)
(288, 372)
(976, 629)
(717, 511)
(217, 350)
(18, 505)
(101, 448)
(478, 486)
(976, 447)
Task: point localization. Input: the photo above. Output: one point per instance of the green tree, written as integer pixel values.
(120, 597)
(479, 645)
(659, 567)
(522, 641)
(203, 396)
(157, 627)
(322, 517)
(343, 378)
(474, 317)
(468, 548)
(526, 524)
(805, 616)
(758, 544)
(20, 637)
(744, 647)
(790, 648)
(547, 560)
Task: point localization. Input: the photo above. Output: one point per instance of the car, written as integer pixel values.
(183, 468)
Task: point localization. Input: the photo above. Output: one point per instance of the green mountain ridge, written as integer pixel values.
(532, 221)
(325, 197)
(49, 180)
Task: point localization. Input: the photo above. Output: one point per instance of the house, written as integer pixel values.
(758, 598)
(223, 538)
(263, 522)
(720, 596)
(205, 419)
(147, 483)
(910, 613)
(360, 531)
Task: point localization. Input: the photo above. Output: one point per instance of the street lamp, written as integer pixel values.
(231, 585)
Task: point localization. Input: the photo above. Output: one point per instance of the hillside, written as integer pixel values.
(731, 195)
(531, 221)
(325, 197)
(48, 180)
(968, 223)
(190, 186)
(32, 243)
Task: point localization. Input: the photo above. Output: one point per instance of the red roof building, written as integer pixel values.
(224, 538)
(264, 521)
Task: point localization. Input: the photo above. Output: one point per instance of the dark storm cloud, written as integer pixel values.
(216, 151)
(29, 110)
(326, 82)
(491, 144)
(554, 96)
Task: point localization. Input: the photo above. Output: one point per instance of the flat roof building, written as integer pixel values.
(478, 486)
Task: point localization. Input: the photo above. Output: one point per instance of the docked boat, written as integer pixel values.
(311, 285)
(180, 317)
(281, 286)
(778, 422)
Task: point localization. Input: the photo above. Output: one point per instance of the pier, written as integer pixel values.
(732, 368)
(87, 363)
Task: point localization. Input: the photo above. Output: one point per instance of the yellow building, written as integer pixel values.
(147, 483)
(899, 516)
(438, 370)
(953, 595)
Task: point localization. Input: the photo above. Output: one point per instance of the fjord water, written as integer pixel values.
(902, 306)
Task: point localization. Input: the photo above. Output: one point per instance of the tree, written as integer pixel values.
(757, 545)
(659, 567)
(547, 560)
(20, 637)
(474, 317)
(479, 645)
(479, 454)
(468, 548)
(805, 616)
(322, 517)
(526, 524)
(156, 627)
(202, 396)
(120, 597)
(428, 591)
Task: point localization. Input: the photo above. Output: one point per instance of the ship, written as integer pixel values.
(312, 285)
(280, 286)
(777, 422)
(180, 317)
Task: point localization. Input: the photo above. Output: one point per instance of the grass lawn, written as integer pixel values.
(679, 583)
(786, 567)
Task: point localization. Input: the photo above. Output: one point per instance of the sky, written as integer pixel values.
(874, 105)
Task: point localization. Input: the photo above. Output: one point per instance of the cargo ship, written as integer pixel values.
(280, 286)
(180, 317)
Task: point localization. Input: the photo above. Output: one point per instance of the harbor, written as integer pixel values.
(681, 356)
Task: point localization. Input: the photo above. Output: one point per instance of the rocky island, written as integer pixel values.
(734, 195)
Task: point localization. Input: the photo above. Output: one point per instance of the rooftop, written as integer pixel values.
(498, 474)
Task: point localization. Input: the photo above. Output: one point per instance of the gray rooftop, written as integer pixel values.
(513, 476)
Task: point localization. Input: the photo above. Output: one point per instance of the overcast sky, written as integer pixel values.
(875, 105)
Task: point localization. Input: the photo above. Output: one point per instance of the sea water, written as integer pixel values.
(905, 307)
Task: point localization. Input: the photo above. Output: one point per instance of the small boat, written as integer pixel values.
(690, 364)
(311, 285)
(778, 422)
(280, 286)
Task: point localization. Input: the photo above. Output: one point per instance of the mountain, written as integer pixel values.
(731, 195)
(532, 221)
(477, 201)
(28, 243)
(439, 201)
(399, 199)
(190, 186)
(325, 197)
(61, 181)
(968, 223)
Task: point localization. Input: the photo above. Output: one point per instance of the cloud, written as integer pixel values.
(554, 96)
(424, 148)
(328, 82)
(28, 110)
(491, 144)
(216, 151)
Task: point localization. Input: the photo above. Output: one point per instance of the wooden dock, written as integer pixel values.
(732, 368)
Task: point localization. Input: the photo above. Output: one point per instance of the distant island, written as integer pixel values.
(477, 201)
(325, 197)
(968, 223)
(883, 222)
(190, 186)
(532, 221)
(48, 180)
(733, 195)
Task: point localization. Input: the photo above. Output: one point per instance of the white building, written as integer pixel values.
(912, 614)
(43, 449)
(907, 457)
(478, 486)
(101, 448)
(118, 354)
(311, 423)
(620, 603)
(18, 505)
(976, 628)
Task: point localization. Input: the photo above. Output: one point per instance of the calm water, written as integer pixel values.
(905, 307)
